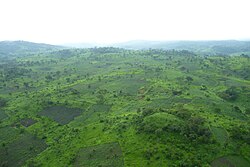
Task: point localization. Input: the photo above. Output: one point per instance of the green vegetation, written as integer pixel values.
(100, 155)
(115, 107)
(61, 114)
(8, 134)
(203, 47)
(2, 115)
(10, 49)
(230, 160)
(22, 149)
(220, 135)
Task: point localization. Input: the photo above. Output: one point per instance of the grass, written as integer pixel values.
(129, 86)
(160, 120)
(105, 155)
(61, 114)
(220, 135)
(100, 108)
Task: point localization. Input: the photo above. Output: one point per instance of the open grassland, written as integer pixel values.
(220, 135)
(104, 155)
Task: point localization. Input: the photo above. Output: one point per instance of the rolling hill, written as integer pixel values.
(205, 47)
(21, 48)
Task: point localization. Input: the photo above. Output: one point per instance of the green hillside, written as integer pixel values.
(10, 49)
(104, 107)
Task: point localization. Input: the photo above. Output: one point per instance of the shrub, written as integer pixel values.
(230, 94)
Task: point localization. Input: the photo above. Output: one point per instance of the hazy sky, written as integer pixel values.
(105, 21)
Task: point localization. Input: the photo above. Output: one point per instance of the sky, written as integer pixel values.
(112, 21)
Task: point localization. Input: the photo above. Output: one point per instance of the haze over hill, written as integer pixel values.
(205, 47)
(226, 47)
(21, 48)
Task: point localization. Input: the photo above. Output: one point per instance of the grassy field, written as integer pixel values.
(220, 135)
(104, 155)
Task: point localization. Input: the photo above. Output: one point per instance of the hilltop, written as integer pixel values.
(22, 48)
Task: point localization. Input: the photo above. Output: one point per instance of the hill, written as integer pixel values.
(116, 107)
(205, 47)
(21, 48)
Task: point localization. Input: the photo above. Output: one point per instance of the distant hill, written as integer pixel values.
(205, 47)
(226, 47)
(82, 45)
(22, 48)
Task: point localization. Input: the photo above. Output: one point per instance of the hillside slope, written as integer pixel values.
(21, 48)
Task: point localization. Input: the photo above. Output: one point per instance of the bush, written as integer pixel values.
(230, 94)
(184, 114)
(3, 102)
(177, 92)
(247, 111)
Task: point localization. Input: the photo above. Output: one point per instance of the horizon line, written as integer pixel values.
(120, 42)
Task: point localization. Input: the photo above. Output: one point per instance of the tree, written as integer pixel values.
(48, 77)
(68, 80)
(26, 85)
(230, 94)
(189, 79)
(3, 102)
